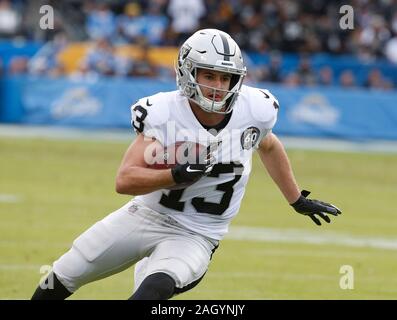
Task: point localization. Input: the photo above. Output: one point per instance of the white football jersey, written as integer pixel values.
(208, 205)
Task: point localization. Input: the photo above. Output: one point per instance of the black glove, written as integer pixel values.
(311, 207)
(188, 173)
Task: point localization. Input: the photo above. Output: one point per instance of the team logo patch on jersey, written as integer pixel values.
(249, 137)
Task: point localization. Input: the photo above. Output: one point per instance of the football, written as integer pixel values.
(180, 152)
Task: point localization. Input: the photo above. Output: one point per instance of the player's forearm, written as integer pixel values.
(137, 180)
(277, 164)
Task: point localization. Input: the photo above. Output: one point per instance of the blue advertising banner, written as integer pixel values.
(102, 103)
(315, 111)
(338, 113)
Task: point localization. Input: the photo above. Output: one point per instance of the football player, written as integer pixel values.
(173, 225)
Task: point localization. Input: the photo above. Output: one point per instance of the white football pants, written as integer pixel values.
(128, 235)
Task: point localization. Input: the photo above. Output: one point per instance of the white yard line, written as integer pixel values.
(377, 146)
(272, 235)
(34, 243)
(13, 267)
(66, 133)
(10, 198)
(308, 237)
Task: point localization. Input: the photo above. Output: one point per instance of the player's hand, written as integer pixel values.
(311, 208)
(187, 173)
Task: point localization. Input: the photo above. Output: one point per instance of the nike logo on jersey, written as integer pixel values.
(148, 104)
(267, 96)
(188, 169)
(275, 104)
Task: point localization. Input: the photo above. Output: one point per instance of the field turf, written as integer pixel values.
(52, 190)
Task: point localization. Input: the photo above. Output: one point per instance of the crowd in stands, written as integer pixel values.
(271, 27)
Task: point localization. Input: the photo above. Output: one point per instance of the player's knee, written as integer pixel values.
(157, 286)
(73, 269)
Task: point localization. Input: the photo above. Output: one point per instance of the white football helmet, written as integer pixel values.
(214, 50)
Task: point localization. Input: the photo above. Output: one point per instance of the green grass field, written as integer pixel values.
(63, 187)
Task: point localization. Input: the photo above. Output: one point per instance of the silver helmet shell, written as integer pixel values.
(215, 50)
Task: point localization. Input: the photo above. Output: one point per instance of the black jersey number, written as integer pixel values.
(140, 115)
(172, 200)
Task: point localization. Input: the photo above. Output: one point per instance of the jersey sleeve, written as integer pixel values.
(264, 108)
(148, 117)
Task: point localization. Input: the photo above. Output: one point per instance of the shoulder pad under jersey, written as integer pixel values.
(150, 112)
(262, 105)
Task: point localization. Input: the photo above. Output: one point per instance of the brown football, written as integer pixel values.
(180, 152)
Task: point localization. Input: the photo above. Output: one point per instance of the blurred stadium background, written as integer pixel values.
(65, 95)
